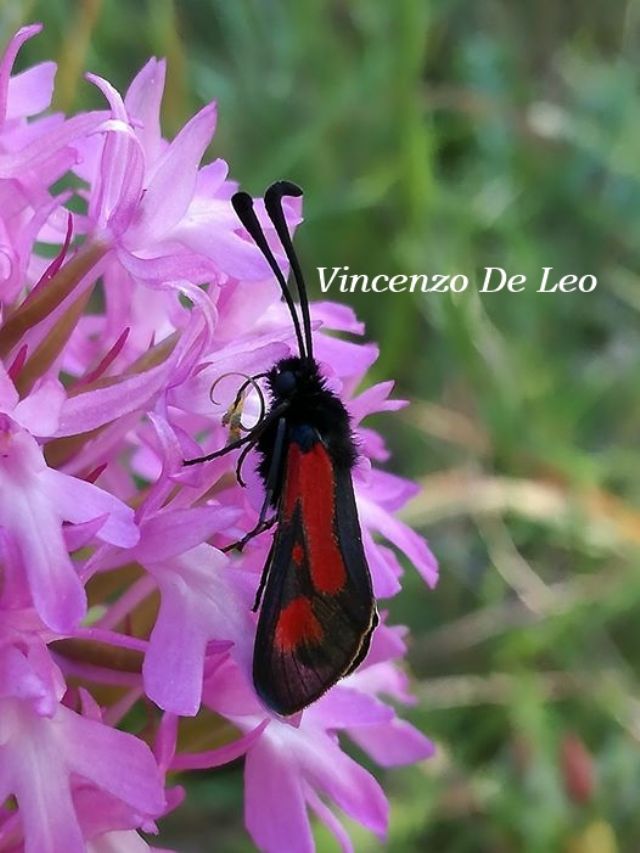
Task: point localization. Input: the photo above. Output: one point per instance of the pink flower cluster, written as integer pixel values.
(114, 590)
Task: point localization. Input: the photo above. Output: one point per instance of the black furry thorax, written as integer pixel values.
(296, 383)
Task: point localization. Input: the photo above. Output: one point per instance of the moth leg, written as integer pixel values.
(246, 439)
(256, 531)
(240, 462)
(233, 445)
(272, 477)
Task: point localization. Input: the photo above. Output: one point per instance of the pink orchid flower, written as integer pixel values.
(113, 568)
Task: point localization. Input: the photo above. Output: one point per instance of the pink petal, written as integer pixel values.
(6, 63)
(383, 565)
(40, 411)
(275, 810)
(387, 643)
(343, 707)
(212, 234)
(107, 360)
(228, 690)
(164, 747)
(57, 592)
(403, 537)
(78, 501)
(19, 680)
(198, 604)
(172, 266)
(165, 445)
(55, 264)
(48, 153)
(354, 790)
(240, 314)
(78, 535)
(8, 394)
(6, 784)
(194, 395)
(117, 762)
(174, 179)
(31, 91)
(337, 316)
(391, 492)
(348, 359)
(327, 817)
(122, 177)
(121, 167)
(386, 679)
(371, 444)
(111, 94)
(174, 663)
(91, 409)
(211, 177)
(48, 814)
(222, 755)
(90, 707)
(374, 399)
(173, 532)
(143, 100)
(393, 743)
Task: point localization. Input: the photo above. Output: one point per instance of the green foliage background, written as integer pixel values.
(442, 137)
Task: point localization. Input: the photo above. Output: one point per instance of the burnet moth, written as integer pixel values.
(318, 610)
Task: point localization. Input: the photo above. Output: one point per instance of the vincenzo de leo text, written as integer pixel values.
(495, 279)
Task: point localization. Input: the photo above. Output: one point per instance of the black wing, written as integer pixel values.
(318, 610)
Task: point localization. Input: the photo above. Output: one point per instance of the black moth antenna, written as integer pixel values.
(273, 204)
(243, 206)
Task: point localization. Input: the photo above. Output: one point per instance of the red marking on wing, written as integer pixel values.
(296, 624)
(310, 483)
(297, 555)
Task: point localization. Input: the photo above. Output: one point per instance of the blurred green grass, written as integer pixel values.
(442, 137)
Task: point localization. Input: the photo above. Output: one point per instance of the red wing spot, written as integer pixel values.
(297, 624)
(297, 554)
(310, 483)
(318, 500)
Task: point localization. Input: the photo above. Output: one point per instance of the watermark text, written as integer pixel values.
(493, 280)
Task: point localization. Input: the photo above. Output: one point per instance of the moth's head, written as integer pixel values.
(290, 375)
